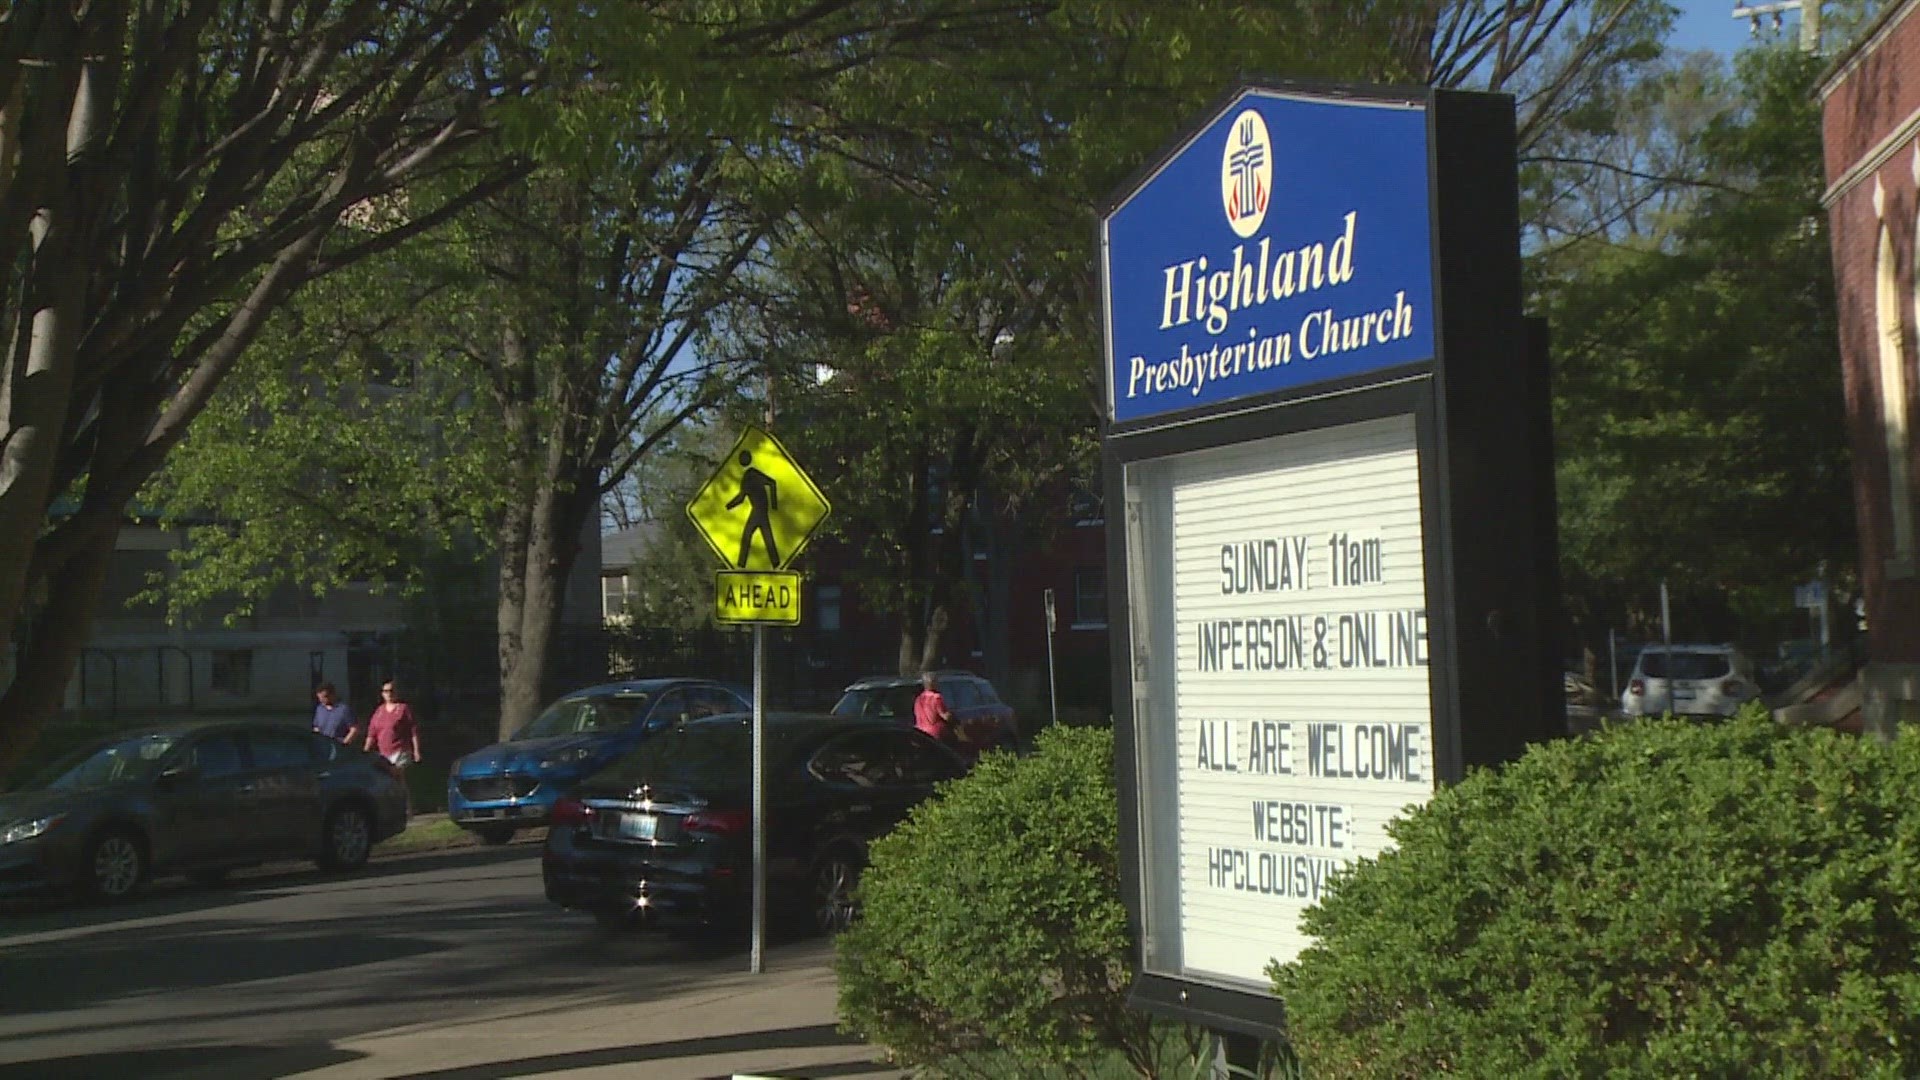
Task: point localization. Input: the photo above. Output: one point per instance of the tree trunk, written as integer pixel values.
(534, 569)
(935, 638)
(37, 373)
(56, 642)
(911, 659)
(543, 565)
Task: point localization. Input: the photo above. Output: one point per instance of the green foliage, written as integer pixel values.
(992, 921)
(1660, 899)
(1699, 416)
(949, 283)
(345, 446)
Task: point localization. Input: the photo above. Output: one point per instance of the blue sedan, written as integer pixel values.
(513, 785)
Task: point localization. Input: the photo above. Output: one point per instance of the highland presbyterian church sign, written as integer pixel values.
(1324, 274)
(1327, 437)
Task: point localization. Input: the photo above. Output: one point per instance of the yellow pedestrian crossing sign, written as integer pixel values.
(758, 510)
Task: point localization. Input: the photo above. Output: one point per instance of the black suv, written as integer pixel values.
(664, 835)
(988, 722)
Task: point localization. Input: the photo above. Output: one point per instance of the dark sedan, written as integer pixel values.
(204, 798)
(663, 836)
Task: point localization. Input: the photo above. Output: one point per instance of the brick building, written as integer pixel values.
(1871, 132)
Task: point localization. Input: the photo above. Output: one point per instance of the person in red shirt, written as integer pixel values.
(930, 712)
(392, 729)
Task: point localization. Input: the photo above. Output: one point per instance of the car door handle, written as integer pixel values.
(246, 789)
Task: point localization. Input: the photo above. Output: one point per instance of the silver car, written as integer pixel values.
(1689, 680)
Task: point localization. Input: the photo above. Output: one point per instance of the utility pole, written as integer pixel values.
(1809, 18)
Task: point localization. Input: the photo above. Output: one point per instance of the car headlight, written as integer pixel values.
(14, 832)
(567, 757)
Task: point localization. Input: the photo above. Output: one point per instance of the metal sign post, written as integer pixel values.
(1053, 699)
(756, 512)
(757, 963)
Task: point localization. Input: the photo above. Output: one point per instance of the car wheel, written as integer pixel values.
(346, 839)
(835, 880)
(494, 835)
(115, 866)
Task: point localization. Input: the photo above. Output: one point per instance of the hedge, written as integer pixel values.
(1664, 898)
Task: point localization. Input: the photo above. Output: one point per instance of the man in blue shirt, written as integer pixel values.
(331, 717)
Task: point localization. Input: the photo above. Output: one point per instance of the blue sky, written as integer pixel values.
(1709, 24)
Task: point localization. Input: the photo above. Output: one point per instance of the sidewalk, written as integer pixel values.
(777, 1024)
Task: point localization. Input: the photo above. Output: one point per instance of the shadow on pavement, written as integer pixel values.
(300, 960)
(782, 1039)
(862, 1067)
(176, 896)
(225, 1062)
(59, 975)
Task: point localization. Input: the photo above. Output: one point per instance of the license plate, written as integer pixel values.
(483, 813)
(636, 826)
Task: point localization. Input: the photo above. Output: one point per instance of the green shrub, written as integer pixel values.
(1659, 899)
(992, 923)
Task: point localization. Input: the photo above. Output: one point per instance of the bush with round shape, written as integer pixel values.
(991, 918)
(1664, 898)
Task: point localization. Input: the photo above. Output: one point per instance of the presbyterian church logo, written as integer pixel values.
(1246, 174)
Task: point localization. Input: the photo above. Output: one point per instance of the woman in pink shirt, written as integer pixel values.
(930, 712)
(392, 729)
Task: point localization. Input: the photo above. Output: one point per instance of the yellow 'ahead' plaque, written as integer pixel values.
(757, 596)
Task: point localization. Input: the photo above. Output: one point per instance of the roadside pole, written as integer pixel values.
(1053, 698)
(1666, 638)
(758, 962)
(1613, 665)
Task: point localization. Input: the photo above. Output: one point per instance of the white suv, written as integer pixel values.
(1696, 680)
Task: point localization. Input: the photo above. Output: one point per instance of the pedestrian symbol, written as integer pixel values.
(757, 510)
(762, 494)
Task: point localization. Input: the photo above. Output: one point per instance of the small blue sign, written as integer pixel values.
(1288, 243)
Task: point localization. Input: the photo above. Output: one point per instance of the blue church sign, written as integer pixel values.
(1312, 263)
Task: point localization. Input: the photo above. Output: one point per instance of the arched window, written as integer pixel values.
(1893, 387)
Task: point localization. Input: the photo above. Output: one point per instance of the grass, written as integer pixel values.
(426, 835)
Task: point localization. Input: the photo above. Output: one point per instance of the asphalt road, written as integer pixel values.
(263, 977)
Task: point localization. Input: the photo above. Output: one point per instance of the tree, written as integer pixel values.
(1699, 416)
(810, 123)
(584, 291)
(952, 290)
(170, 174)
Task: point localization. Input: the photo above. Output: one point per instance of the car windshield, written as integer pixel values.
(1685, 665)
(131, 759)
(893, 702)
(600, 713)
